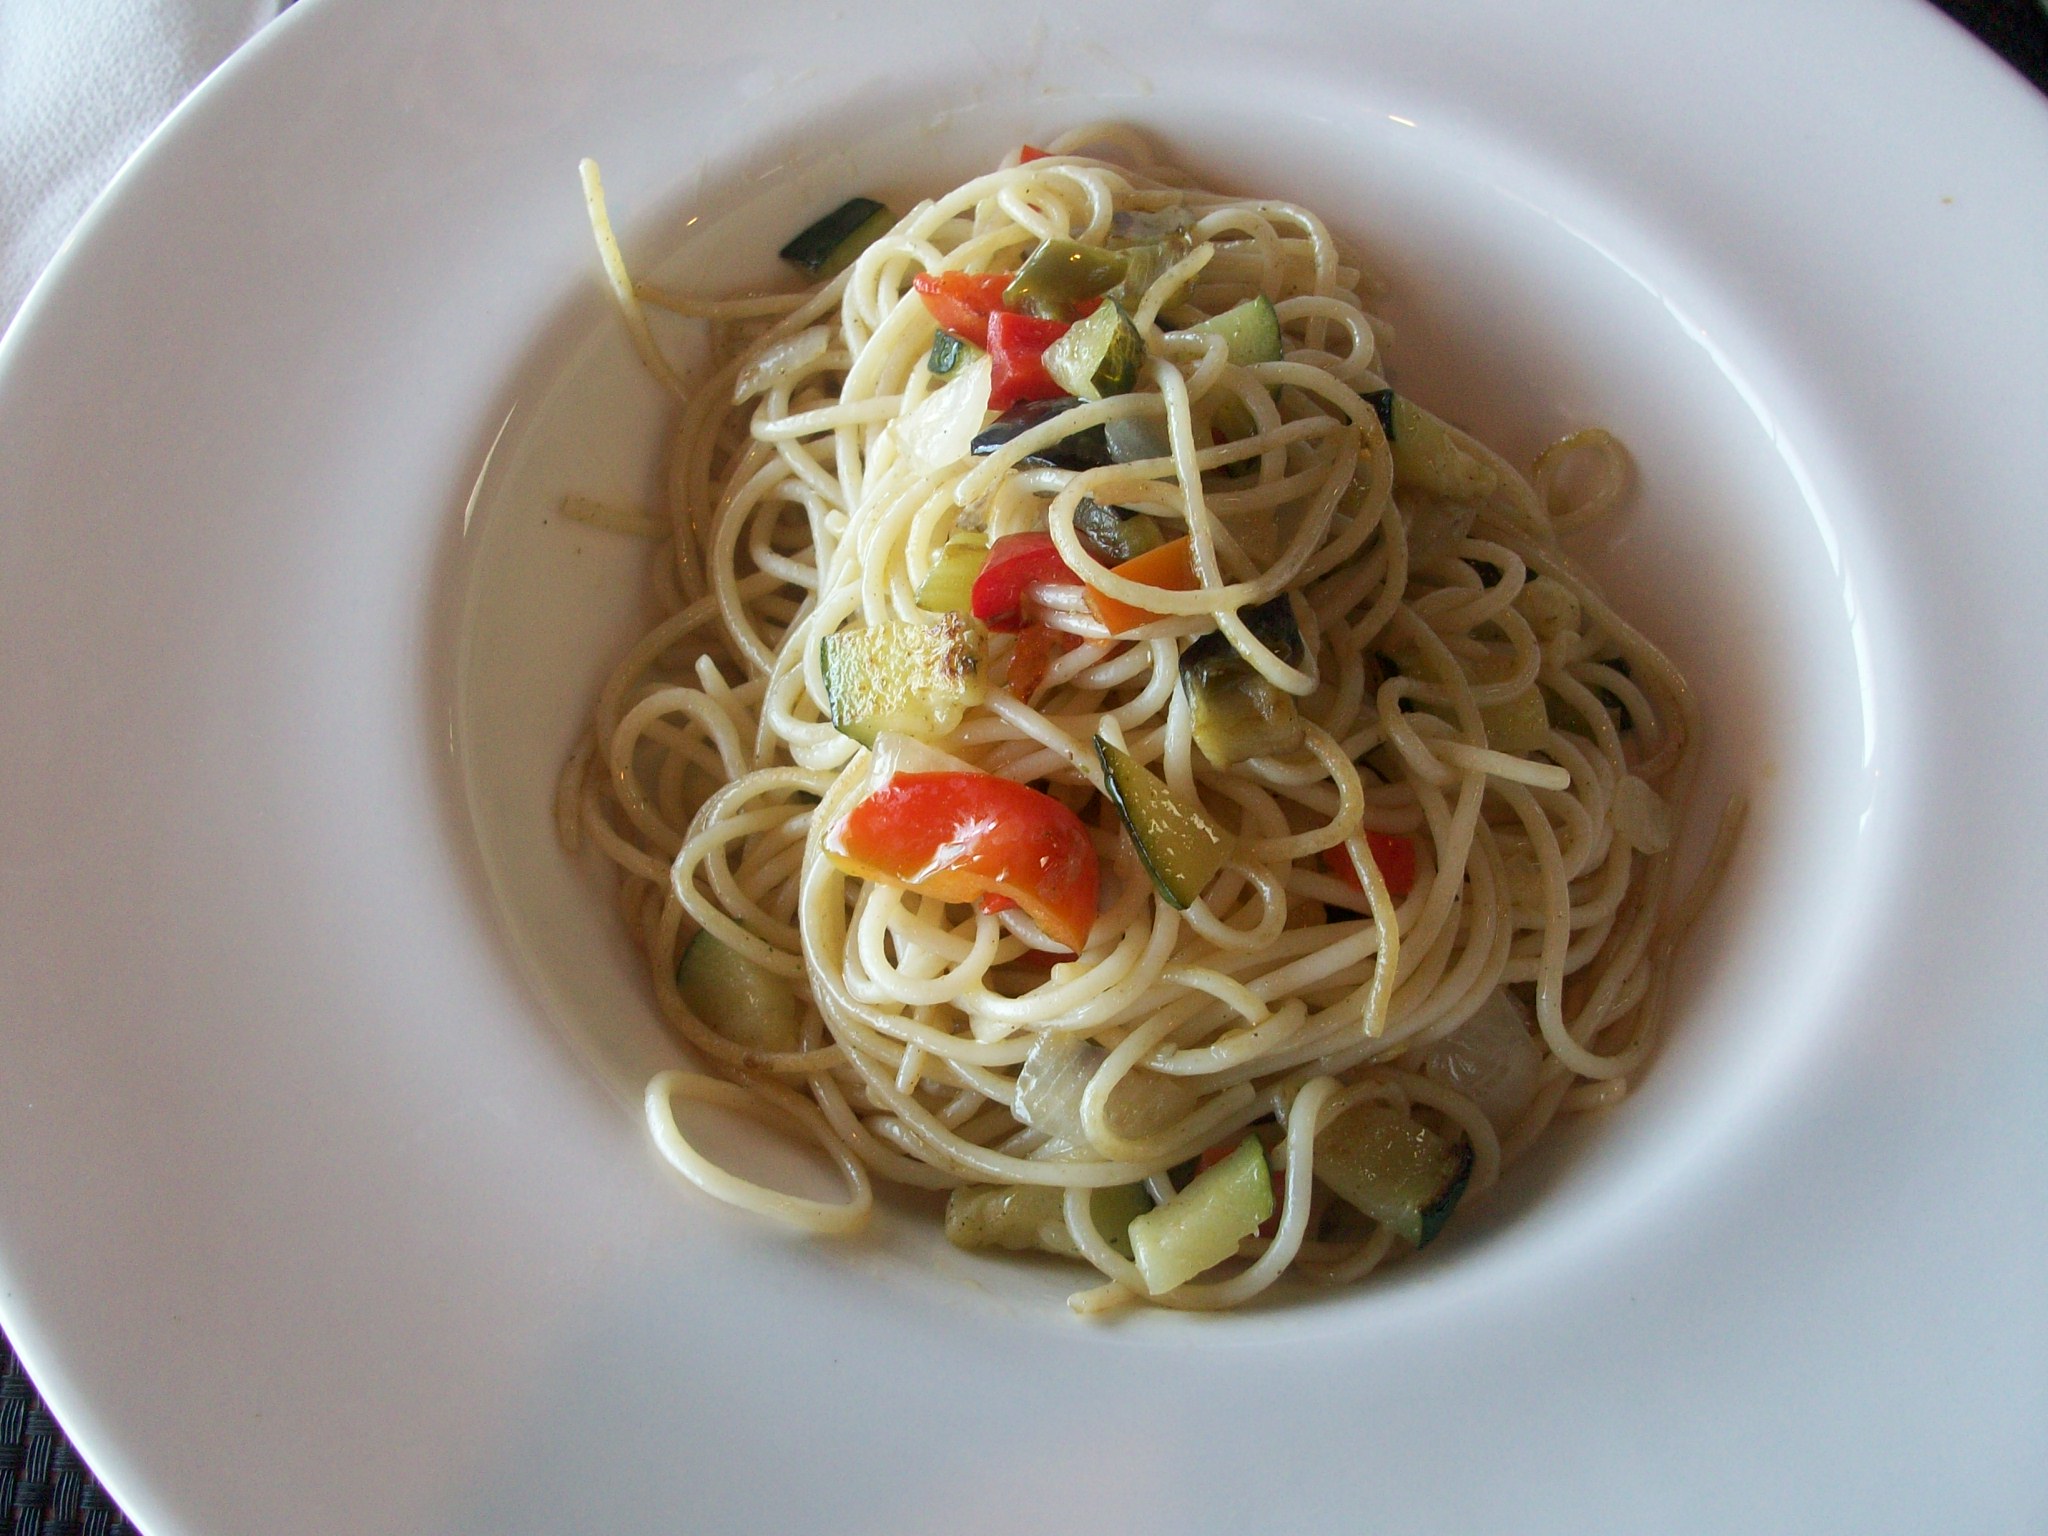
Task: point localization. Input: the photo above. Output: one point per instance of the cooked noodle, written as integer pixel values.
(1279, 999)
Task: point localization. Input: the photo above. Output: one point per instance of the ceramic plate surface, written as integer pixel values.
(324, 1201)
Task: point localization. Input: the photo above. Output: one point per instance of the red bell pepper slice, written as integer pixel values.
(962, 301)
(1037, 648)
(1015, 561)
(1031, 152)
(1393, 852)
(1016, 349)
(963, 836)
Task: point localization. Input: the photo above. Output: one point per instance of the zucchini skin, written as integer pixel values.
(826, 247)
(1178, 845)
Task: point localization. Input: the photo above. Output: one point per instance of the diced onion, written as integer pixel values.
(942, 428)
(1491, 1059)
(1640, 816)
(778, 362)
(1551, 607)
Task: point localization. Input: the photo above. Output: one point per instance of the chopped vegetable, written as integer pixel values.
(1170, 567)
(1144, 264)
(1031, 152)
(959, 836)
(1491, 1059)
(1252, 330)
(1027, 1216)
(1179, 846)
(1016, 346)
(1202, 1225)
(1393, 1168)
(1520, 725)
(1098, 356)
(1087, 448)
(1425, 456)
(1134, 225)
(1016, 562)
(1059, 275)
(939, 429)
(918, 679)
(1237, 713)
(949, 587)
(1038, 647)
(1132, 438)
(728, 992)
(1392, 852)
(1640, 816)
(962, 301)
(1114, 534)
(1382, 402)
(828, 247)
(949, 352)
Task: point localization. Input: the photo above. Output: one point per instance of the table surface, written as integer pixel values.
(47, 1490)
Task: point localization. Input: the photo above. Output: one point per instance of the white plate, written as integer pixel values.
(322, 1204)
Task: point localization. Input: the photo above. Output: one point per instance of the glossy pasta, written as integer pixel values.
(1439, 916)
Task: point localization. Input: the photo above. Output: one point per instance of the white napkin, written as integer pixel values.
(82, 82)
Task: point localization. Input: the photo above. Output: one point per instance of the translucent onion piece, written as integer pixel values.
(1641, 817)
(942, 427)
(1491, 1059)
(777, 362)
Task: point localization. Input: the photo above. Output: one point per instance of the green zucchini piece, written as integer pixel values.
(1059, 275)
(1098, 356)
(1144, 263)
(1520, 725)
(1132, 438)
(1426, 457)
(1027, 1216)
(1180, 847)
(1202, 1225)
(1114, 534)
(1393, 1168)
(948, 353)
(949, 586)
(1150, 226)
(745, 1002)
(916, 679)
(1382, 402)
(828, 247)
(1237, 713)
(1252, 330)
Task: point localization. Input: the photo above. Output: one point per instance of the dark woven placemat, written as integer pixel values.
(45, 1490)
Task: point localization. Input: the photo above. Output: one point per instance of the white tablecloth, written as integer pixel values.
(82, 83)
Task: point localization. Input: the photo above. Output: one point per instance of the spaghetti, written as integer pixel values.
(1203, 821)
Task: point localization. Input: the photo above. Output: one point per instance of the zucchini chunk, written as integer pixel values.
(1144, 263)
(1202, 1225)
(1098, 356)
(915, 679)
(1393, 1168)
(1085, 449)
(747, 1003)
(1028, 1216)
(1114, 534)
(1180, 847)
(828, 247)
(1236, 712)
(1059, 275)
(949, 586)
(1520, 725)
(1252, 330)
(1427, 458)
